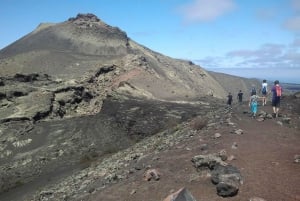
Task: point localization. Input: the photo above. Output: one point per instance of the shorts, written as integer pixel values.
(264, 93)
(276, 101)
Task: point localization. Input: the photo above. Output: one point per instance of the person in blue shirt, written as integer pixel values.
(253, 104)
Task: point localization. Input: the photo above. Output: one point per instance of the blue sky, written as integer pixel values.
(211, 33)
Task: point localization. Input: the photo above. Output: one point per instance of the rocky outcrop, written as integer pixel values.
(85, 17)
(30, 150)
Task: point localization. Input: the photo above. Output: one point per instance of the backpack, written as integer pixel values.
(278, 90)
(253, 91)
(254, 99)
(264, 90)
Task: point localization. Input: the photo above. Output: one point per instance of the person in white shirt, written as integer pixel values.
(264, 92)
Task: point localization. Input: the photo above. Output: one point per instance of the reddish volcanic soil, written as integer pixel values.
(264, 154)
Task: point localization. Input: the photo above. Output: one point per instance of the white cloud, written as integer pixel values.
(209, 62)
(296, 5)
(242, 53)
(293, 24)
(293, 56)
(267, 56)
(266, 51)
(296, 43)
(266, 14)
(206, 10)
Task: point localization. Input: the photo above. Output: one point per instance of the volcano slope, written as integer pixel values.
(33, 153)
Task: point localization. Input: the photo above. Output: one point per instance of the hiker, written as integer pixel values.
(253, 90)
(264, 92)
(253, 103)
(240, 96)
(229, 100)
(277, 92)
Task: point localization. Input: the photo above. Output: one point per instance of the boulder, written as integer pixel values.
(210, 161)
(227, 178)
(227, 189)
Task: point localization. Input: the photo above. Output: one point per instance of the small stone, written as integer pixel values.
(256, 199)
(133, 192)
(152, 174)
(297, 158)
(260, 119)
(231, 124)
(234, 145)
(46, 193)
(203, 147)
(286, 120)
(223, 155)
(231, 158)
(238, 131)
(217, 135)
(91, 190)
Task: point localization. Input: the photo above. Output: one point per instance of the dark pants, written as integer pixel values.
(276, 101)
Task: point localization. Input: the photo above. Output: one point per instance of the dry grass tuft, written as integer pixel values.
(198, 123)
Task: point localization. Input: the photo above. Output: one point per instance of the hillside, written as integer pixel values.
(75, 50)
(233, 83)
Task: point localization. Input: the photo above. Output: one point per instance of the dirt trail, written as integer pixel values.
(264, 154)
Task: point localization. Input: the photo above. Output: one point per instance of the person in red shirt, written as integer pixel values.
(277, 92)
